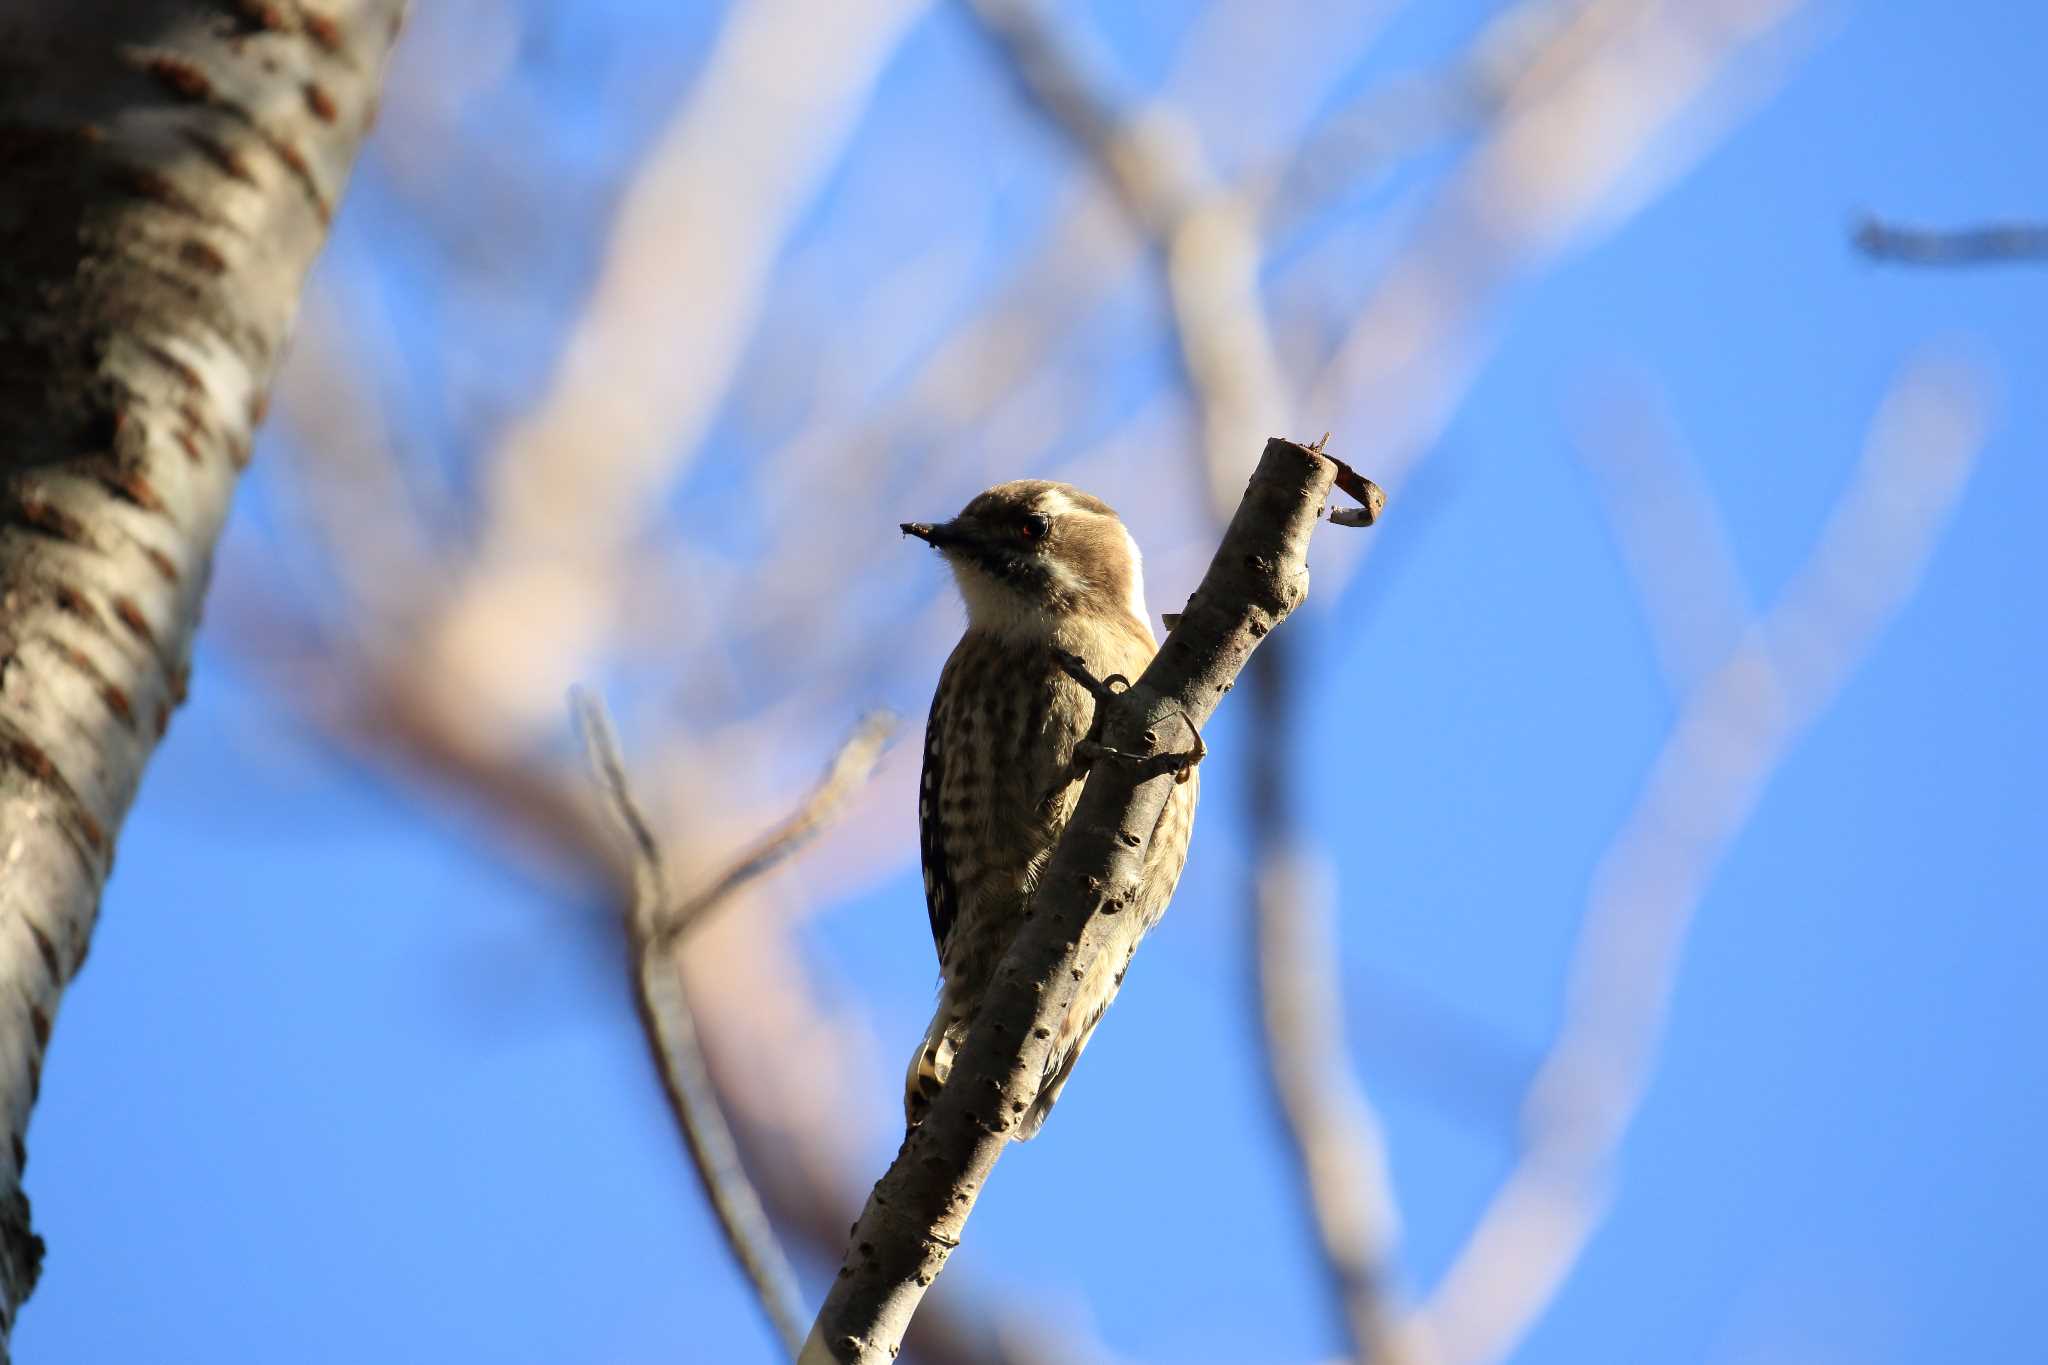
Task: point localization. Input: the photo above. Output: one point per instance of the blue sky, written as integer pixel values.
(338, 1084)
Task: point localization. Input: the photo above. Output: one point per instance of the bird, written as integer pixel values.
(1043, 568)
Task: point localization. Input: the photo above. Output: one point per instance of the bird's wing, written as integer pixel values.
(941, 901)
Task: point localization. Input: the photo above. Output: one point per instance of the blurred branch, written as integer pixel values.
(1526, 47)
(663, 1002)
(851, 767)
(990, 391)
(1209, 237)
(1552, 167)
(649, 359)
(1334, 1134)
(1207, 232)
(1992, 244)
(1663, 517)
(358, 504)
(803, 1100)
(918, 1211)
(1728, 738)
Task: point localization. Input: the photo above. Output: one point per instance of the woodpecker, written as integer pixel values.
(1043, 568)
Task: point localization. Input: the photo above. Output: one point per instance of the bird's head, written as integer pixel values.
(1031, 556)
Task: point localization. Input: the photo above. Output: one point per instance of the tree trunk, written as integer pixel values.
(167, 172)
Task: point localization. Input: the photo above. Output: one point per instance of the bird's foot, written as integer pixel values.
(1102, 689)
(1181, 765)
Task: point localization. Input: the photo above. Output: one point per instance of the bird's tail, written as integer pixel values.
(932, 1063)
(1058, 1066)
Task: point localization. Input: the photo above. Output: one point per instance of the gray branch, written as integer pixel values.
(1335, 1137)
(918, 1211)
(1990, 244)
(169, 173)
(662, 999)
(851, 767)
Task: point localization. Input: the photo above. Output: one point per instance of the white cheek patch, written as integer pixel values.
(1135, 604)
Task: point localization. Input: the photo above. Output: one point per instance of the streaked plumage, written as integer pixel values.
(1042, 566)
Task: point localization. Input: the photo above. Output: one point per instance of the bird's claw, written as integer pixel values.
(1181, 765)
(1102, 689)
(1091, 748)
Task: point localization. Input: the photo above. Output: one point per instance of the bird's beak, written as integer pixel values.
(937, 535)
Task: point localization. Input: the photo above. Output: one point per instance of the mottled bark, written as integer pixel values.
(167, 172)
(918, 1210)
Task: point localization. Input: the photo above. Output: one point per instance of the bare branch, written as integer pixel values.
(802, 1110)
(1525, 47)
(1700, 791)
(849, 772)
(919, 1209)
(1990, 244)
(648, 361)
(1566, 146)
(1210, 240)
(1336, 1137)
(1664, 519)
(665, 1014)
(1208, 234)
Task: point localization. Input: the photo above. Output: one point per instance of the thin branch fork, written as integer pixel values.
(851, 767)
(655, 928)
(918, 1211)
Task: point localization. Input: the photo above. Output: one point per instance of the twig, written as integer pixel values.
(794, 1111)
(918, 1211)
(1990, 244)
(1700, 791)
(665, 1014)
(849, 772)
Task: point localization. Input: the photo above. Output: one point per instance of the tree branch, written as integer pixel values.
(170, 176)
(663, 1003)
(1332, 1130)
(653, 349)
(1669, 531)
(803, 1167)
(1206, 231)
(1727, 739)
(1573, 150)
(1990, 244)
(1208, 235)
(851, 767)
(918, 1211)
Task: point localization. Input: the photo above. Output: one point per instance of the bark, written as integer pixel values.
(918, 1210)
(168, 169)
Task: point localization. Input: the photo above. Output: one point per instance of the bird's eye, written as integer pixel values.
(1035, 526)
